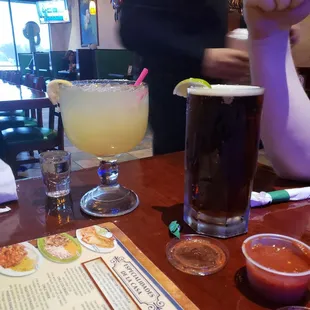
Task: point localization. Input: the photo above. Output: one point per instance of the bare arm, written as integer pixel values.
(285, 126)
(286, 113)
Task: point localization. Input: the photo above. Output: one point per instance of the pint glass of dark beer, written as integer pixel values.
(222, 136)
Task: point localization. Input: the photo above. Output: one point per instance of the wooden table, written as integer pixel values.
(159, 183)
(13, 97)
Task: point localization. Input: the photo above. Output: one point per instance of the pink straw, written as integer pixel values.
(141, 77)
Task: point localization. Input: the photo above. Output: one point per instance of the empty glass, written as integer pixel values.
(56, 168)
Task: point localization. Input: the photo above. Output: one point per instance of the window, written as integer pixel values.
(21, 13)
(7, 52)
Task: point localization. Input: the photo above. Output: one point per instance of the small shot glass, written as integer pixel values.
(56, 168)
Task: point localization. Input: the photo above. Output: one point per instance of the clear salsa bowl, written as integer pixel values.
(277, 267)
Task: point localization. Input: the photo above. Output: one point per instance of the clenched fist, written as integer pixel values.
(267, 17)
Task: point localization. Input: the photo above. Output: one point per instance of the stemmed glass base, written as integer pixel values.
(106, 201)
(110, 198)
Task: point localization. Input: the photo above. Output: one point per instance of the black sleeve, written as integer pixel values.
(242, 22)
(152, 37)
(65, 64)
(156, 34)
(176, 31)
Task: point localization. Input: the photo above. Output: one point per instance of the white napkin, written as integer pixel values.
(7, 183)
(292, 194)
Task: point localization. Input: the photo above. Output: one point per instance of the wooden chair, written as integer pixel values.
(9, 76)
(24, 60)
(42, 65)
(29, 139)
(57, 62)
(16, 78)
(37, 83)
(111, 63)
(5, 75)
(29, 80)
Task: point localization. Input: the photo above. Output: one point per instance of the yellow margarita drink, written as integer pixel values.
(104, 118)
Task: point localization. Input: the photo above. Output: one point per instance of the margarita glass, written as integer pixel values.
(105, 118)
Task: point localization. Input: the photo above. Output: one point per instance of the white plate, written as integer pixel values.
(95, 248)
(33, 253)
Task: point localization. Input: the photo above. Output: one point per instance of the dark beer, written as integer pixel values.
(222, 137)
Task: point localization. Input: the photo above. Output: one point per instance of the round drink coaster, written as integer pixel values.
(197, 255)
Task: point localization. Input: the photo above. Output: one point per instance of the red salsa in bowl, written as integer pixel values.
(278, 267)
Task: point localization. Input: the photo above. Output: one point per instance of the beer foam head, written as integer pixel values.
(226, 91)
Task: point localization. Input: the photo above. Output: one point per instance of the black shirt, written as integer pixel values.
(242, 22)
(173, 34)
(65, 64)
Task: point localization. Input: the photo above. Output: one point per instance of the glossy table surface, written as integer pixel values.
(159, 183)
(12, 95)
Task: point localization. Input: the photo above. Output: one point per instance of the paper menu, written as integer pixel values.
(116, 277)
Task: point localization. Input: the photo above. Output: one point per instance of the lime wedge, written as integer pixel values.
(181, 88)
(53, 90)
